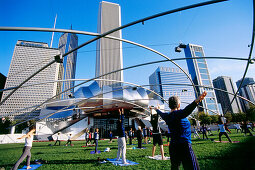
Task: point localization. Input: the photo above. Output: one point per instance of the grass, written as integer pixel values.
(210, 155)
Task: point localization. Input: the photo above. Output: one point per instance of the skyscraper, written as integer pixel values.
(246, 81)
(245, 90)
(226, 83)
(28, 57)
(67, 70)
(165, 76)
(109, 52)
(248, 91)
(200, 75)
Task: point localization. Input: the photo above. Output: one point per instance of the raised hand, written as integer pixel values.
(201, 97)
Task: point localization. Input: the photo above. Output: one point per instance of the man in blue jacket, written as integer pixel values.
(180, 148)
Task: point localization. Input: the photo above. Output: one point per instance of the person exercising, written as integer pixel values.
(180, 148)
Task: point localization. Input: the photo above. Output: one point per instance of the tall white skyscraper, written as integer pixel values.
(109, 52)
(28, 57)
(67, 42)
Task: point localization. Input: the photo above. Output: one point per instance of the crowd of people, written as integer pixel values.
(179, 130)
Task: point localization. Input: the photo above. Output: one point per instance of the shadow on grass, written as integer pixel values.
(238, 156)
(93, 161)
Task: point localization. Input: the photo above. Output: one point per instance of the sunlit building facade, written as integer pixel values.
(225, 83)
(199, 72)
(67, 42)
(169, 82)
(109, 52)
(28, 57)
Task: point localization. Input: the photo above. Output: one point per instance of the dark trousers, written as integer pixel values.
(130, 140)
(68, 141)
(96, 142)
(87, 141)
(205, 135)
(224, 133)
(139, 142)
(58, 142)
(26, 153)
(183, 153)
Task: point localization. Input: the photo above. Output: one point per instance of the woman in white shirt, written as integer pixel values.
(223, 131)
(26, 150)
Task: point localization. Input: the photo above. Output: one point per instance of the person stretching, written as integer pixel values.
(223, 131)
(26, 150)
(96, 138)
(156, 134)
(180, 148)
(121, 139)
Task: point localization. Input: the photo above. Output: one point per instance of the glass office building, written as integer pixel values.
(226, 83)
(67, 70)
(164, 82)
(198, 70)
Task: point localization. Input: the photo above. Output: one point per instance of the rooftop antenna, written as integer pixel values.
(53, 32)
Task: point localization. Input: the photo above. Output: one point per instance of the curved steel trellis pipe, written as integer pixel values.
(130, 84)
(135, 85)
(119, 28)
(249, 59)
(159, 61)
(27, 114)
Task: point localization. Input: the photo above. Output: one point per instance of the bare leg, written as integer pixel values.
(162, 152)
(153, 150)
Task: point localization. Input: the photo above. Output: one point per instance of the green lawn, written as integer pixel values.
(210, 155)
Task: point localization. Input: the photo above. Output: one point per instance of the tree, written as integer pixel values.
(228, 116)
(238, 117)
(5, 123)
(215, 118)
(251, 113)
(204, 118)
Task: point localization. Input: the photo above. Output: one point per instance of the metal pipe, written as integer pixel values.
(249, 59)
(127, 25)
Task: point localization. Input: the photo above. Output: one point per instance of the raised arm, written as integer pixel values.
(188, 109)
(29, 134)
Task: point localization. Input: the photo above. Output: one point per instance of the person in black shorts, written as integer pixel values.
(156, 134)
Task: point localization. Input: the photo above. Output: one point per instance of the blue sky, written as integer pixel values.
(223, 29)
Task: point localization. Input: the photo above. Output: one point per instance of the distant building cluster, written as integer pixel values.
(29, 56)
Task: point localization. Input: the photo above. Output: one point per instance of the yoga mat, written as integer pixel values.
(226, 141)
(33, 166)
(93, 152)
(158, 157)
(137, 148)
(119, 162)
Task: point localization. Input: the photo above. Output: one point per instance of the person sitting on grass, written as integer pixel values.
(26, 150)
(156, 134)
(223, 130)
(180, 148)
